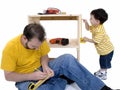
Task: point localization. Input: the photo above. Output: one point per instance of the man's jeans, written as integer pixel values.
(68, 66)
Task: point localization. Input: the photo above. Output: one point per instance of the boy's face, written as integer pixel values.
(94, 21)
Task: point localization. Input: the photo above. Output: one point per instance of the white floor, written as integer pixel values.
(73, 86)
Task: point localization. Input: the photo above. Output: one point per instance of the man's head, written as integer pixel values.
(33, 36)
(99, 15)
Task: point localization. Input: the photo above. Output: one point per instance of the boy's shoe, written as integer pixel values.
(101, 75)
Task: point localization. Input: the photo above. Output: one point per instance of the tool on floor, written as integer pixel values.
(34, 86)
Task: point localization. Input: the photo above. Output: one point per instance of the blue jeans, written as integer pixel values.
(68, 66)
(105, 60)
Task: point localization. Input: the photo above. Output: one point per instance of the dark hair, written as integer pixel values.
(100, 14)
(34, 30)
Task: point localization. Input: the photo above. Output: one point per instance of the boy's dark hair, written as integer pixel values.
(100, 14)
(34, 30)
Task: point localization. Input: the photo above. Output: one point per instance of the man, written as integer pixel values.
(29, 51)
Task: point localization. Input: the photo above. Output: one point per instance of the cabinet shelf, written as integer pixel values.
(73, 43)
(54, 17)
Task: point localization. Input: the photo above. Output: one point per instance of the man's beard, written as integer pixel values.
(26, 45)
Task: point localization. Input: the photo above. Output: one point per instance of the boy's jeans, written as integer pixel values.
(70, 67)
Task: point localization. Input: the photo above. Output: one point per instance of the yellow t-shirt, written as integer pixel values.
(103, 44)
(21, 60)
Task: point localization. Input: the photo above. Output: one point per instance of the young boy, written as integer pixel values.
(101, 40)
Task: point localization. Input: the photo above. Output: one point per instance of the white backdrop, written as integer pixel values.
(14, 16)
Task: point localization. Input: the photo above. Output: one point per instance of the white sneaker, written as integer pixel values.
(101, 75)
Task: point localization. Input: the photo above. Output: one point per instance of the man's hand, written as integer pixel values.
(38, 75)
(49, 71)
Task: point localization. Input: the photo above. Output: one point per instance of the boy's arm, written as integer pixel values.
(86, 24)
(86, 39)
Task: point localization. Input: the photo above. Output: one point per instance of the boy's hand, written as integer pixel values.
(85, 39)
(84, 20)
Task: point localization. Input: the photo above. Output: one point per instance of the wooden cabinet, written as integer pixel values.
(73, 43)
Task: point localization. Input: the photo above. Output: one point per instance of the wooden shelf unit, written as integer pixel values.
(73, 43)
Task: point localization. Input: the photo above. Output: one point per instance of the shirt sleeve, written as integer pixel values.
(44, 48)
(8, 62)
(91, 28)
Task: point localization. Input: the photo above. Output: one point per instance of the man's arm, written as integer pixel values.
(44, 61)
(13, 76)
